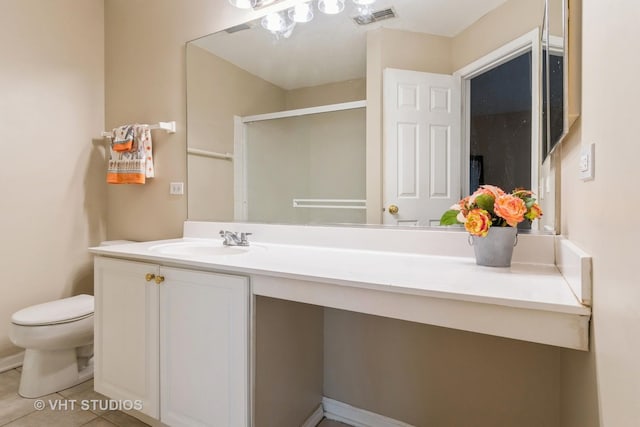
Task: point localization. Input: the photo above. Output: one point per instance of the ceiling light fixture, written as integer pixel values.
(364, 7)
(302, 12)
(279, 24)
(331, 7)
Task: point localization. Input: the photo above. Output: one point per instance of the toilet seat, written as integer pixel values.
(55, 312)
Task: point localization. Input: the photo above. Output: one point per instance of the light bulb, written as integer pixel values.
(302, 12)
(278, 24)
(331, 7)
(274, 22)
(365, 11)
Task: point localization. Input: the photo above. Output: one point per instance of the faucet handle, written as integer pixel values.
(228, 237)
(243, 236)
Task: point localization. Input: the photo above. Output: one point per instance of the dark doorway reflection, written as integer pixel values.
(500, 128)
(554, 109)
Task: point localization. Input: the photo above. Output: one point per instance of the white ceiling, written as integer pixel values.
(331, 48)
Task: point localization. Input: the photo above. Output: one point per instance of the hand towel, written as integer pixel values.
(122, 139)
(135, 165)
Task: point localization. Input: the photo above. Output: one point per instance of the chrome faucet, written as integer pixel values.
(232, 238)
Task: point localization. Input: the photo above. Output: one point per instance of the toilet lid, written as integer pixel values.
(60, 311)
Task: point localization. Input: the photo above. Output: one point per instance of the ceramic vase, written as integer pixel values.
(496, 249)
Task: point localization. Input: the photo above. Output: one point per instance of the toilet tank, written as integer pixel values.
(115, 242)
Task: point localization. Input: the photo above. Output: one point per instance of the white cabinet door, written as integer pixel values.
(421, 146)
(126, 332)
(204, 343)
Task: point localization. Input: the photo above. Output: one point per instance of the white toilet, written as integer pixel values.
(58, 340)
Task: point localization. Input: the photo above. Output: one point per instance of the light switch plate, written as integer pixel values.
(587, 162)
(176, 188)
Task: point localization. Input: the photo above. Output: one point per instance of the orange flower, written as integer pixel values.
(490, 190)
(534, 212)
(478, 222)
(521, 192)
(510, 208)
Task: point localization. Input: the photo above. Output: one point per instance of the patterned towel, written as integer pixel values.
(122, 139)
(136, 164)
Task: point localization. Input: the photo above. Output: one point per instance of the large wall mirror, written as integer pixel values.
(385, 117)
(554, 76)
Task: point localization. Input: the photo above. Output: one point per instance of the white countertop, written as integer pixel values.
(530, 286)
(419, 275)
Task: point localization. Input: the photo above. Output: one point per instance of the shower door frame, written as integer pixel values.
(240, 189)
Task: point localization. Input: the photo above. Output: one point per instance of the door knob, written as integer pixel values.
(149, 277)
(393, 209)
(159, 279)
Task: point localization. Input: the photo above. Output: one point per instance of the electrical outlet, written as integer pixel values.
(176, 188)
(586, 162)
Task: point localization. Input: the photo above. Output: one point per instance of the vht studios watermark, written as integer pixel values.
(88, 405)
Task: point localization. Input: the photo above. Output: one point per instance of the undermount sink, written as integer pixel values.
(210, 248)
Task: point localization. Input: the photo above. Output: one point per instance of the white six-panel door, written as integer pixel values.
(421, 154)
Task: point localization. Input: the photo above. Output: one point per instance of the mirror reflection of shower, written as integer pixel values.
(303, 168)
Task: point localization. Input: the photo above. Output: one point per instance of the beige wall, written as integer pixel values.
(145, 82)
(430, 376)
(331, 93)
(495, 29)
(597, 215)
(216, 92)
(51, 109)
(289, 362)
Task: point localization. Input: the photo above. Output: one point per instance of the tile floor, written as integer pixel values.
(16, 411)
(331, 423)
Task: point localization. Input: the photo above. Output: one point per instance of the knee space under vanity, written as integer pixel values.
(413, 373)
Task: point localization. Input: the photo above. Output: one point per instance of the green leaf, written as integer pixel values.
(530, 201)
(485, 201)
(450, 217)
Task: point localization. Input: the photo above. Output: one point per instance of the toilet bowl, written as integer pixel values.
(58, 340)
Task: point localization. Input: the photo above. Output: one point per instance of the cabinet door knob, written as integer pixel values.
(393, 209)
(149, 277)
(159, 279)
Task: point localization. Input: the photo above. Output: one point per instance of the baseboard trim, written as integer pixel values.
(144, 418)
(10, 362)
(339, 411)
(315, 418)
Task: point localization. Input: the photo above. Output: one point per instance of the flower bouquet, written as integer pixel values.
(491, 208)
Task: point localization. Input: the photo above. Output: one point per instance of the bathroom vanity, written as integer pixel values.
(175, 319)
(163, 333)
